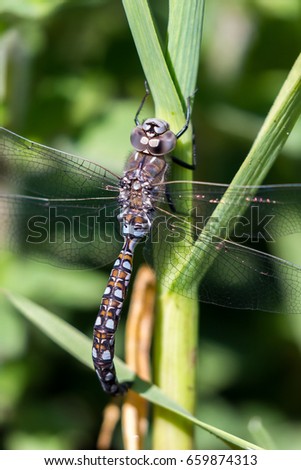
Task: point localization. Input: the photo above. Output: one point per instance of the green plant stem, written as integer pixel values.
(172, 81)
(175, 362)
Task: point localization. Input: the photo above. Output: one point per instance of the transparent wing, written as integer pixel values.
(70, 233)
(58, 207)
(34, 169)
(269, 211)
(237, 276)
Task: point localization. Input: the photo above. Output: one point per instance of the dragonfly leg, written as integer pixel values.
(188, 118)
(178, 161)
(189, 166)
(147, 93)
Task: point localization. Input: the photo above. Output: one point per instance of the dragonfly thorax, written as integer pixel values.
(153, 137)
(135, 198)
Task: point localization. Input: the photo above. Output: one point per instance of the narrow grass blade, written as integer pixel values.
(79, 346)
(185, 24)
(270, 140)
(260, 434)
(164, 93)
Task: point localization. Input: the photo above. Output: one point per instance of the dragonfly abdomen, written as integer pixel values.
(108, 318)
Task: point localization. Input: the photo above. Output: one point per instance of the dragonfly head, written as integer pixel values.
(153, 137)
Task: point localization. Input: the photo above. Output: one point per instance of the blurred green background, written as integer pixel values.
(70, 78)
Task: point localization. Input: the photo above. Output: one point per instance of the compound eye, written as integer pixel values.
(162, 144)
(138, 139)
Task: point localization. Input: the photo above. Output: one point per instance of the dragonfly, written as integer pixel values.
(69, 211)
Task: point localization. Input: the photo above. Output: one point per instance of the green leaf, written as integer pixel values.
(63, 334)
(260, 433)
(184, 40)
(164, 93)
(263, 153)
(79, 346)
